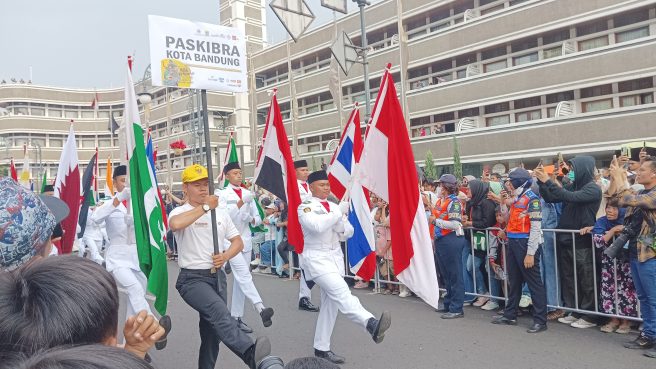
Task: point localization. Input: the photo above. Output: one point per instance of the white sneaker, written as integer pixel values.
(405, 293)
(490, 305)
(567, 319)
(525, 301)
(256, 261)
(582, 323)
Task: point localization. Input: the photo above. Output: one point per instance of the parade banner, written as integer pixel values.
(188, 54)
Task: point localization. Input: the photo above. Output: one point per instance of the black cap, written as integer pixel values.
(49, 188)
(230, 166)
(300, 164)
(121, 170)
(319, 175)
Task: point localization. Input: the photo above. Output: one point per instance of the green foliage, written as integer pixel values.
(430, 172)
(457, 166)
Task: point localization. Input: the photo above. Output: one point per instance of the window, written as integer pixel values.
(524, 44)
(497, 121)
(88, 114)
(597, 105)
(104, 142)
(38, 142)
(491, 67)
(493, 53)
(464, 60)
(556, 36)
(593, 43)
(70, 113)
(419, 121)
(497, 108)
(56, 142)
(636, 84)
(54, 112)
(552, 53)
(492, 9)
(418, 72)
(38, 111)
(590, 28)
(528, 115)
(524, 59)
(628, 35)
(465, 113)
(560, 96)
(631, 18)
(527, 103)
(444, 117)
(596, 91)
(638, 99)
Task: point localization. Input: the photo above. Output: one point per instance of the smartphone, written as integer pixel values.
(540, 164)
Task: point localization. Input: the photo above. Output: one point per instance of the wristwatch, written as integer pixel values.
(206, 208)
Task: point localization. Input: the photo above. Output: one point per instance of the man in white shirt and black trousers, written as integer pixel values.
(202, 281)
(305, 292)
(238, 203)
(324, 225)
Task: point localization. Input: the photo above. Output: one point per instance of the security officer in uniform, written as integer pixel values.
(324, 225)
(524, 232)
(121, 258)
(238, 203)
(202, 281)
(305, 291)
(449, 243)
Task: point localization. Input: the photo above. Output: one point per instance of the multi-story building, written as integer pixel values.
(514, 80)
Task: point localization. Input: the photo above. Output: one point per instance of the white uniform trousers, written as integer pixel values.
(93, 246)
(304, 290)
(336, 296)
(134, 282)
(242, 285)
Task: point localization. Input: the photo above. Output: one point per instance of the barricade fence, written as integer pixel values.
(586, 271)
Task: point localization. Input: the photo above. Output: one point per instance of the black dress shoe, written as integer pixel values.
(305, 304)
(503, 320)
(266, 315)
(377, 327)
(452, 315)
(165, 322)
(537, 328)
(640, 343)
(243, 326)
(330, 356)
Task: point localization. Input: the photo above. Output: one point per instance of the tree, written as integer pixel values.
(457, 166)
(4, 171)
(430, 172)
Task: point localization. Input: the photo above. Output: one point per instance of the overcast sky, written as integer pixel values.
(76, 43)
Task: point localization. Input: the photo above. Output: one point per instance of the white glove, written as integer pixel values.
(124, 195)
(339, 226)
(247, 197)
(129, 220)
(163, 192)
(344, 207)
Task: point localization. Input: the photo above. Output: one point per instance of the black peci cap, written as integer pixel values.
(300, 164)
(319, 175)
(121, 170)
(230, 166)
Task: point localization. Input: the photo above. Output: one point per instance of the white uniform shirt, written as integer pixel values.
(322, 232)
(270, 234)
(305, 194)
(241, 217)
(122, 250)
(92, 229)
(195, 243)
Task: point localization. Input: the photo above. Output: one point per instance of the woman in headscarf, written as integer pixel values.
(622, 301)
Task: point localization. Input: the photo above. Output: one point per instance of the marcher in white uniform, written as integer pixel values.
(121, 258)
(238, 203)
(92, 239)
(324, 226)
(305, 293)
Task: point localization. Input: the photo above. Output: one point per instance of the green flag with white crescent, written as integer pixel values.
(146, 208)
(233, 158)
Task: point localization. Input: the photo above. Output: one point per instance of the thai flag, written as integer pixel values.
(360, 247)
(388, 169)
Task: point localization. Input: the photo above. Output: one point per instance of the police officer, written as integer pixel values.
(305, 292)
(324, 225)
(524, 233)
(121, 258)
(449, 243)
(239, 205)
(202, 281)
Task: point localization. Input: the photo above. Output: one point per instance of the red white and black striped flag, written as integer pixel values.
(274, 171)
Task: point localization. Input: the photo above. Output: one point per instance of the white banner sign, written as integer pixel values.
(188, 54)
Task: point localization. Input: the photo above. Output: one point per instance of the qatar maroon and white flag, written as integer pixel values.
(67, 188)
(274, 171)
(387, 168)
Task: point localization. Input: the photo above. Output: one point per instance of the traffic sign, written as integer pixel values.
(295, 16)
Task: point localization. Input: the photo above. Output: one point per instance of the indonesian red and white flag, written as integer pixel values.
(274, 171)
(67, 188)
(387, 168)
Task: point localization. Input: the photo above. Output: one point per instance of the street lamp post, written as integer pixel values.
(365, 65)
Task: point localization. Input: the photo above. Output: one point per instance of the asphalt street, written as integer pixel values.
(417, 339)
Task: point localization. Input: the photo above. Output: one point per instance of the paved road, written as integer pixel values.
(418, 339)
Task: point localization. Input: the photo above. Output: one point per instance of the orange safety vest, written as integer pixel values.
(519, 221)
(442, 212)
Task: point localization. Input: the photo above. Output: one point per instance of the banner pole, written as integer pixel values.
(210, 174)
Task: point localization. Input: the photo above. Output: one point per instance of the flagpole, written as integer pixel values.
(210, 174)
